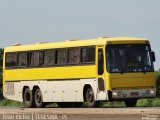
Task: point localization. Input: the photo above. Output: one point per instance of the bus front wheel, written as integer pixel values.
(130, 102)
(28, 98)
(90, 98)
(38, 98)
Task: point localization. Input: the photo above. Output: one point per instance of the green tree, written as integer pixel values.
(1, 63)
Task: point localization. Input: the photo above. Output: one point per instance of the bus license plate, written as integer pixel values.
(134, 93)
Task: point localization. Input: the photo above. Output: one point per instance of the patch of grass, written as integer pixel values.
(144, 103)
(6, 102)
(149, 102)
(107, 104)
(157, 73)
(52, 105)
(112, 104)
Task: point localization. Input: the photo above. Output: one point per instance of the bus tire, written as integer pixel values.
(130, 102)
(38, 98)
(28, 98)
(90, 99)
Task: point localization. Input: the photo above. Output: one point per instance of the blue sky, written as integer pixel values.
(31, 21)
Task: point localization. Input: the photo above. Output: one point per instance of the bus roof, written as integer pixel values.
(76, 43)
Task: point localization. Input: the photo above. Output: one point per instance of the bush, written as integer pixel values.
(6, 102)
(149, 102)
(144, 103)
(1, 94)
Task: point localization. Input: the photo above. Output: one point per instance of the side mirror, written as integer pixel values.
(153, 56)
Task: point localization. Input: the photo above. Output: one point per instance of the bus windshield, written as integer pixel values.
(129, 58)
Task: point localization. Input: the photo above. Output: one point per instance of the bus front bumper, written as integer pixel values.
(134, 93)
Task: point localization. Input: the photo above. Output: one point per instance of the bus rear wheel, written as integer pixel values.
(130, 102)
(38, 98)
(28, 98)
(89, 96)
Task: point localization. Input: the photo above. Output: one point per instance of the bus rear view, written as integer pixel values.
(130, 71)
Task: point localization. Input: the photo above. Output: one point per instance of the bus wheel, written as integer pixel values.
(38, 98)
(28, 98)
(90, 98)
(130, 102)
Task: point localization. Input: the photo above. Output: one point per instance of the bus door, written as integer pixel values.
(101, 82)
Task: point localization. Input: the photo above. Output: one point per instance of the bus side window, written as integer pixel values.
(22, 59)
(88, 55)
(49, 57)
(73, 55)
(100, 62)
(36, 58)
(61, 56)
(11, 59)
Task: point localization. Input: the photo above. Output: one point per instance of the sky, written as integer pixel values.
(31, 21)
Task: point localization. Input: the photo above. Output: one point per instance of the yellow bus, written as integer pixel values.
(76, 71)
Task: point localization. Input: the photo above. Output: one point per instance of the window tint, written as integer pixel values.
(36, 58)
(100, 62)
(49, 57)
(88, 55)
(22, 59)
(74, 56)
(11, 59)
(61, 56)
(129, 58)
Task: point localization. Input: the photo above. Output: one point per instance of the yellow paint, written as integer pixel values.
(132, 80)
(52, 73)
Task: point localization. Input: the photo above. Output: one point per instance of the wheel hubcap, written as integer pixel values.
(90, 96)
(38, 97)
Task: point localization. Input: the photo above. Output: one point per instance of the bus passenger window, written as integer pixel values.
(61, 56)
(74, 56)
(11, 59)
(36, 58)
(22, 59)
(49, 57)
(88, 55)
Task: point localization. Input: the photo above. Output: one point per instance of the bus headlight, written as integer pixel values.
(148, 92)
(114, 93)
(151, 91)
(118, 93)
